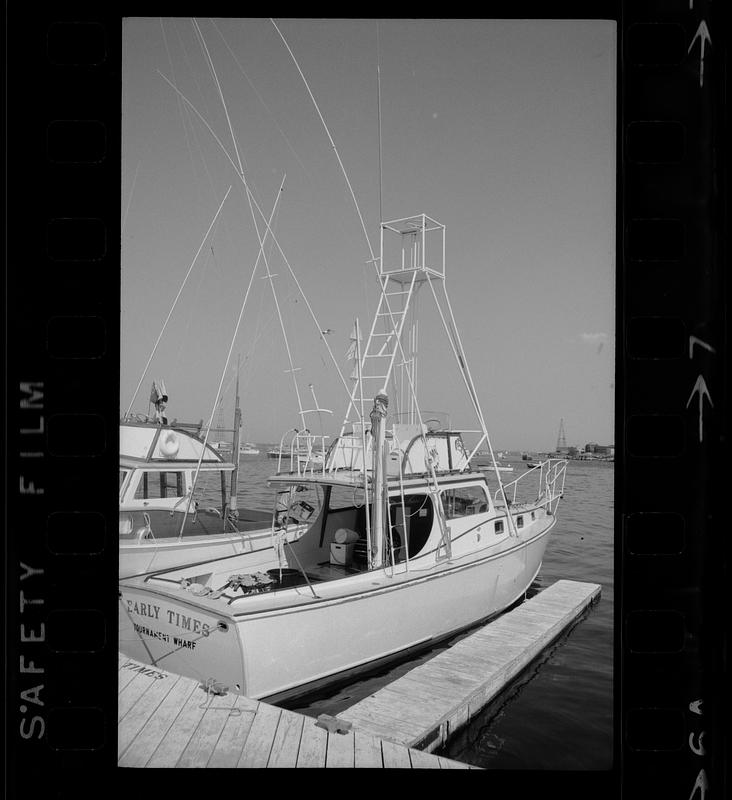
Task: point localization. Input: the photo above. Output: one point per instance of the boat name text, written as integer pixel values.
(143, 670)
(152, 611)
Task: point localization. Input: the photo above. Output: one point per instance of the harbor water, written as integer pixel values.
(557, 715)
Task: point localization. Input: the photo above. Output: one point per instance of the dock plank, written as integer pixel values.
(286, 741)
(203, 742)
(313, 746)
(234, 734)
(124, 676)
(367, 751)
(341, 750)
(258, 746)
(145, 742)
(137, 717)
(395, 757)
(179, 734)
(134, 690)
(421, 760)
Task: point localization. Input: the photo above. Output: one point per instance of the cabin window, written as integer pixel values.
(519, 522)
(122, 475)
(464, 501)
(498, 526)
(160, 485)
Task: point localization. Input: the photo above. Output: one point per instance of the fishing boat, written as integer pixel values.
(248, 449)
(163, 521)
(405, 542)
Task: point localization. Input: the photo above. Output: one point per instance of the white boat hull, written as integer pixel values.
(272, 652)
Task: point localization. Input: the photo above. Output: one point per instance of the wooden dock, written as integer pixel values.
(165, 720)
(426, 706)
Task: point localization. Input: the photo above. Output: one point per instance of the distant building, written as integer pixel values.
(590, 447)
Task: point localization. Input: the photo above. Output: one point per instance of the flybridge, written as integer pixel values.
(162, 443)
(408, 448)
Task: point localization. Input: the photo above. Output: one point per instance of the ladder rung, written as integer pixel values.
(379, 355)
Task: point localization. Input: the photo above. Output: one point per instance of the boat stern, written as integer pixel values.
(196, 639)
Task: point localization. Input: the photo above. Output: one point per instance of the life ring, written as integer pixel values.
(169, 444)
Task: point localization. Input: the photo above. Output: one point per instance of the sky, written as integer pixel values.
(502, 130)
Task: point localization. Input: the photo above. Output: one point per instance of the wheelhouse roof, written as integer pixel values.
(160, 465)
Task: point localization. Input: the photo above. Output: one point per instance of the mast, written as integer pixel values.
(233, 509)
(378, 431)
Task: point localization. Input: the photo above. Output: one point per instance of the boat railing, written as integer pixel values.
(548, 478)
(305, 450)
(344, 453)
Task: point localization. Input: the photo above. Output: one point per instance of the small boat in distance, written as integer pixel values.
(483, 459)
(248, 449)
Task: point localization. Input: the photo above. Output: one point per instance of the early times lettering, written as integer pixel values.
(151, 611)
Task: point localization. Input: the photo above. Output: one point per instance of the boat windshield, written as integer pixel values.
(160, 485)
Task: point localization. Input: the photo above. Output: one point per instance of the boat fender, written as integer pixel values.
(169, 444)
(345, 536)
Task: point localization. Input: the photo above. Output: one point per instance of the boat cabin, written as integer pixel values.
(158, 465)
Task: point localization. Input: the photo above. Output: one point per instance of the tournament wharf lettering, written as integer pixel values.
(149, 633)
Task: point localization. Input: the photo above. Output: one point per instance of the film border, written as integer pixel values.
(62, 379)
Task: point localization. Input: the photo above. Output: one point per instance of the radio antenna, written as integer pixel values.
(378, 94)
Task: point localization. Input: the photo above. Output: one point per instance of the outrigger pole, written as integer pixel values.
(226, 365)
(167, 319)
(233, 510)
(269, 230)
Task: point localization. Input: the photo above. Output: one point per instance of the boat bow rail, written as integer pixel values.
(547, 480)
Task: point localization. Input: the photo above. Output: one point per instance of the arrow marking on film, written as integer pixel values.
(702, 32)
(701, 783)
(694, 340)
(701, 387)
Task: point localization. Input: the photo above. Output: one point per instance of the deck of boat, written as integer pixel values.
(165, 720)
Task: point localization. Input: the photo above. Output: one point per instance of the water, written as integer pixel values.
(558, 713)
